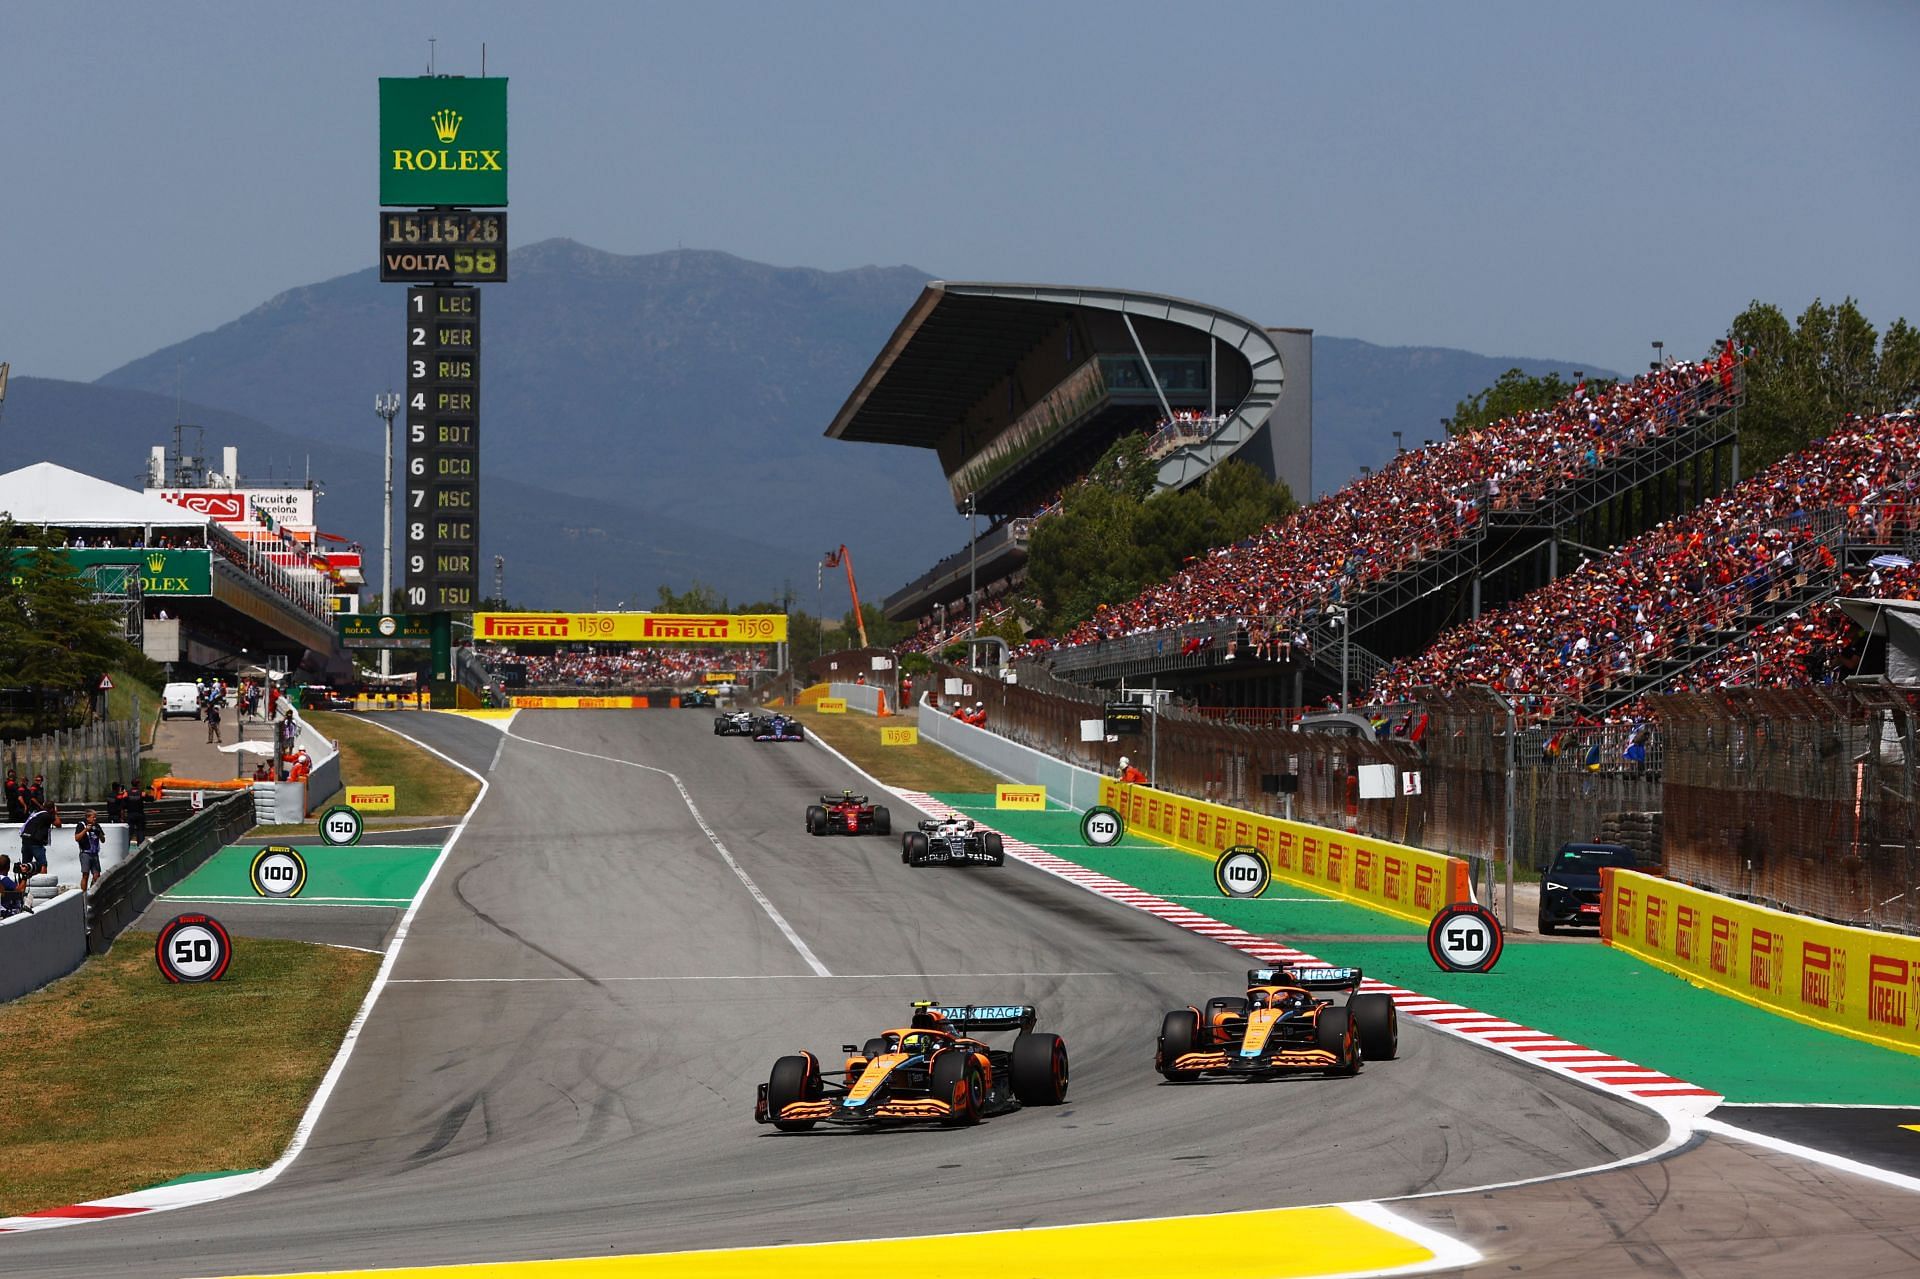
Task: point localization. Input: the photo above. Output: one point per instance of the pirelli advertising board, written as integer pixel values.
(671, 629)
(1855, 981)
(1411, 883)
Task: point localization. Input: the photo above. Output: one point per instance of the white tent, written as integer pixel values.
(48, 494)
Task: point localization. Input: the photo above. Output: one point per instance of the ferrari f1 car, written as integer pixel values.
(778, 728)
(738, 724)
(951, 841)
(1279, 1026)
(933, 1069)
(848, 814)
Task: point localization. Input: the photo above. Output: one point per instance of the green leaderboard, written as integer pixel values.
(441, 511)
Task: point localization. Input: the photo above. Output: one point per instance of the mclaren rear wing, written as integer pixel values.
(966, 1018)
(1307, 978)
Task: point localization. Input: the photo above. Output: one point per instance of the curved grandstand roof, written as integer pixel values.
(960, 338)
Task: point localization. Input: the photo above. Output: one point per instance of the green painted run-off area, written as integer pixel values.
(365, 873)
(1582, 991)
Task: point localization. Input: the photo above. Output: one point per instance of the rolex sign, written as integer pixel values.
(443, 140)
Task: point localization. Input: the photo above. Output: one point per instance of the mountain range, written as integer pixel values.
(646, 420)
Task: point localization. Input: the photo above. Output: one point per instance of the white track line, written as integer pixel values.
(779, 920)
(164, 1198)
(1811, 1154)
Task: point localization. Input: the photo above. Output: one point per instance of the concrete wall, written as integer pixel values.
(63, 858)
(1069, 784)
(864, 698)
(43, 946)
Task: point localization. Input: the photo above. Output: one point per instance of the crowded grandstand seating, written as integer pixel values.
(1422, 501)
(1821, 646)
(614, 668)
(1698, 579)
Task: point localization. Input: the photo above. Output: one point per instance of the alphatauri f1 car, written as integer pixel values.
(738, 724)
(952, 841)
(932, 1069)
(848, 814)
(778, 728)
(1279, 1026)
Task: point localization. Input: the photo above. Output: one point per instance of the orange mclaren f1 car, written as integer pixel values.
(932, 1069)
(1279, 1027)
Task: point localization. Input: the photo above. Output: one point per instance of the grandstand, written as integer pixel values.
(1738, 591)
(1437, 536)
(1019, 388)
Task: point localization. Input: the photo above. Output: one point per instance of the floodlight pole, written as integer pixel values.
(1512, 767)
(386, 408)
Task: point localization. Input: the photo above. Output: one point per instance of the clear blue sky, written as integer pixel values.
(1564, 180)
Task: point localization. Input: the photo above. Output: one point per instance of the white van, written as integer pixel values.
(180, 699)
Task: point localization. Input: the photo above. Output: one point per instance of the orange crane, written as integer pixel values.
(834, 559)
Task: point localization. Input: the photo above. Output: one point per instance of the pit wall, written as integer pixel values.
(1410, 883)
(1853, 981)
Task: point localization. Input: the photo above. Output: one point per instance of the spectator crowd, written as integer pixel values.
(1424, 500)
(607, 667)
(1706, 570)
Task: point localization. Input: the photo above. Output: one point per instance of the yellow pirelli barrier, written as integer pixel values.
(369, 799)
(830, 705)
(1854, 981)
(1411, 883)
(581, 703)
(1031, 799)
(811, 694)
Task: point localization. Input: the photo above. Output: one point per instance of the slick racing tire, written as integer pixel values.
(1334, 1031)
(793, 1079)
(913, 848)
(1179, 1033)
(816, 820)
(1378, 1023)
(882, 821)
(992, 846)
(1039, 1070)
(951, 1069)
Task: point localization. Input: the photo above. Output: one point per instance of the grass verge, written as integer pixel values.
(424, 785)
(135, 1081)
(924, 767)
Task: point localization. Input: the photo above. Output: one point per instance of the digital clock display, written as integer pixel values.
(443, 246)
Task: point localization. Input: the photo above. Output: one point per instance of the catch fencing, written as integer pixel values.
(79, 764)
(1798, 798)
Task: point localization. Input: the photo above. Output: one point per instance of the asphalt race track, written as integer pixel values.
(565, 1061)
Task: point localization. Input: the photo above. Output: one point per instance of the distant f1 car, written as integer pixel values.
(933, 1069)
(738, 724)
(696, 697)
(847, 814)
(778, 728)
(1278, 1027)
(952, 840)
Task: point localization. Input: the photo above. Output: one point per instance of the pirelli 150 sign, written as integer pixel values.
(671, 629)
(443, 141)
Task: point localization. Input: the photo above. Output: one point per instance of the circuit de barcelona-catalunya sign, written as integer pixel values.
(443, 140)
